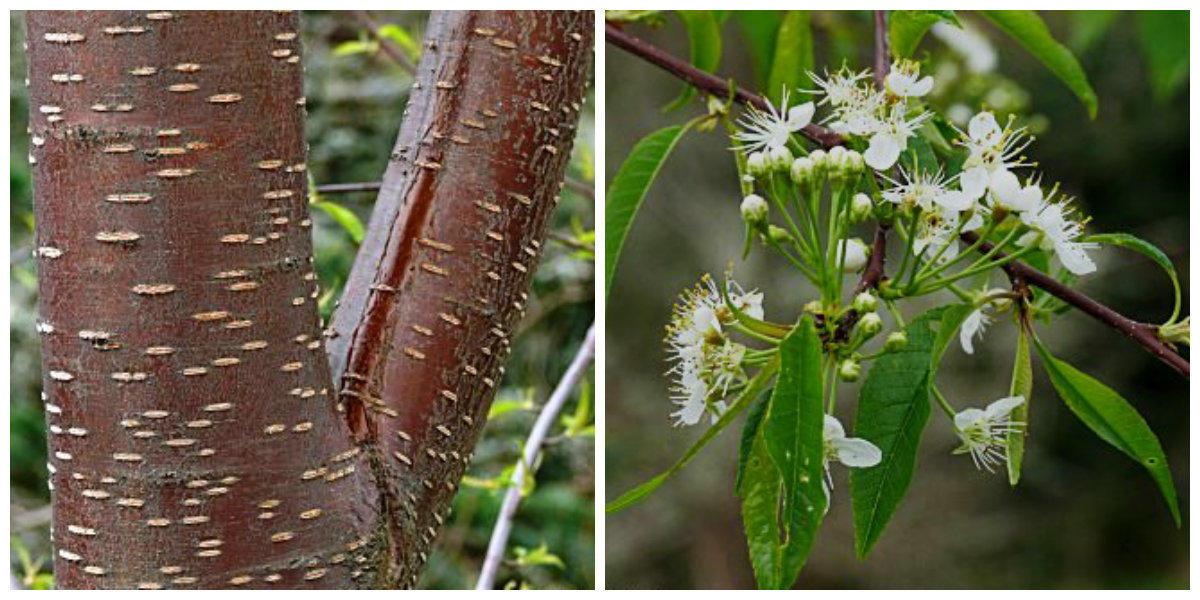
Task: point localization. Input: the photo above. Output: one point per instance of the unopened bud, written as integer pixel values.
(860, 208)
(754, 210)
(813, 307)
(779, 158)
(1177, 333)
(854, 162)
(895, 341)
(756, 164)
(870, 324)
(802, 169)
(854, 254)
(779, 235)
(849, 370)
(864, 303)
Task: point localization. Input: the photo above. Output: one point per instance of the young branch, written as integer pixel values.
(1144, 334)
(1140, 332)
(533, 446)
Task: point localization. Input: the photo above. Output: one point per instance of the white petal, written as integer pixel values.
(1005, 186)
(921, 87)
(883, 152)
(1074, 257)
(975, 222)
(968, 417)
(801, 115)
(970, 326)
(1028, 199)
(973, 182)
(998, 410)
(983, 128)
(833, 428)
(720, 407)
(857, 452)
(954, 200)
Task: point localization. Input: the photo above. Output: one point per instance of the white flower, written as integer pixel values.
(992, 150)
(938, 227)
(892, 138)
(1008, 193)
(772, 129)
(852, 452)
(905, 80)
(705, 362)
(924, 189)
(854, 254)
(973, 327)
(1055, 230)
(984, 433)
(840, 88)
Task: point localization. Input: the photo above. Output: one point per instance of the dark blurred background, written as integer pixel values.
(356, 95)
(1084, 515)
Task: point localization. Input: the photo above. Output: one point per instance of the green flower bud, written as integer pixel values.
(854, 162)
(849, 370)
(895, 341)
(870, 324)
(779, 159)
(779, 235)
(756, 164)
(864, 303)
(754, 210)
(860, 208)
(1177, 333)
(802, 169)
(813, 307)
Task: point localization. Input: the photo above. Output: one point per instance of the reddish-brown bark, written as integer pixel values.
(419, 340)
(197, 438)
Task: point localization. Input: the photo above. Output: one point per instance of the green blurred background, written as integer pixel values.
(356, 96)
(1084, 515)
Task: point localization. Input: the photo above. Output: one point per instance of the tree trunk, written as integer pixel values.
(197, 437)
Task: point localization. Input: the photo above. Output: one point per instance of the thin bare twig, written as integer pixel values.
(533, 446)
(1145, 335)
(347, 188)
(385, 44)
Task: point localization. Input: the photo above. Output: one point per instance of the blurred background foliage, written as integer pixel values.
(1084, 516)
(356, 92)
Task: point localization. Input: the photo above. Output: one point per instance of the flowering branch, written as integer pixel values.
(533, 446)
(1144, 334)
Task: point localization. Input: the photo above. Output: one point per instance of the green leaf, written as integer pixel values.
(793, 433)
(344, 217)
(793, 57)
(1164, 39)
(360, 46)
(749, 434)
(1131, 242)
(759, 488)
(906, 28)
(1087, 27)
(540, 556)
(755, 387)
(1028, 29)
(1113, 419)
(704, 39)
(402, 38)
(893, 407)
(759, 28)
(1021, 385)
(629, 187)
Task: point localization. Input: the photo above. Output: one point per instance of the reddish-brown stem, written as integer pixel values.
(1145, 335)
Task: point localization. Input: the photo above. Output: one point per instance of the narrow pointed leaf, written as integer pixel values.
(755, 387)
(628, 189)
(749, 433)
(1132, 242)
(793, 57)
(344, 217)
(1113, 419)
(704, 40)
(1022, 385)
(893, 408)
(759, 488)
(759, 29)
(792, 431)
(1028, 29)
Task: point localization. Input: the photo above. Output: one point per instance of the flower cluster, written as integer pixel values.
(706, 362)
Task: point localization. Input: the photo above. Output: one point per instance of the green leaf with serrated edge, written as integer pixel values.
(1113, 419)
(753, 388)
(746, 445)
(906, 28)
(1021, 385)
(704, 40)
(1132, 242)
(1028, 29)
(793, 435)
(628, 189)
(793, 57)
(344, 217)
(760, 490)
(759, 29)
(893, 407)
